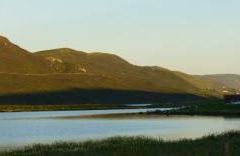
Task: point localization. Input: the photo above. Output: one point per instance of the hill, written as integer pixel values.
(17, 60)
(226, 80)
(66, 70)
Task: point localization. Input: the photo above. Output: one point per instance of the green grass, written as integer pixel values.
(225, 144)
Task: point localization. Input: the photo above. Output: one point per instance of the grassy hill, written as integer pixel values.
(61, 70)
(14, 59)
(102, 64)
(227, 80)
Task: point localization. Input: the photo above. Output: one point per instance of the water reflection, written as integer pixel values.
(24, 128)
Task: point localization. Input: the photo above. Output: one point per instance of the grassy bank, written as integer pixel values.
(222, 145)
(31, 108)
(65, 107)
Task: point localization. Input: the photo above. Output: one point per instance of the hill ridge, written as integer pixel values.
(65, 68)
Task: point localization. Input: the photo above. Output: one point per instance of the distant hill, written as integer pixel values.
(226, 80)
(66, 69)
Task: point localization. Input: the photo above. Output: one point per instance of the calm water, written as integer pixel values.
(18, 129)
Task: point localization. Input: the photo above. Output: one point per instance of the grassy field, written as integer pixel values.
(221, 145)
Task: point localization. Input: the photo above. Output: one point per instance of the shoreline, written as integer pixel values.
(48, 108)
(142, 116)
(214, 110)
(218, 109)
(78, 107)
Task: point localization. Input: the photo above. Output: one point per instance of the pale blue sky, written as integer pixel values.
(194, 36)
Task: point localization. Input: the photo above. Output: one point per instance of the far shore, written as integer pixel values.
(74, 107)
(153, 115)
(208, 109)
(220, 110)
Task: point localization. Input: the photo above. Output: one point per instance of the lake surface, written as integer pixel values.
(24, 128)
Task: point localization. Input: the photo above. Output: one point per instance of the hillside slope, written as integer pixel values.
(102, 64)
(14, 59)
(226, 80)
(67, 69)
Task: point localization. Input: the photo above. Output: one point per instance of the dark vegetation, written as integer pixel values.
(212, 109)
(97, 96)
(204, 108)
(215, 145)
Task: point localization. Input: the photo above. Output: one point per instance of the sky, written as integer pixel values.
(193, 36)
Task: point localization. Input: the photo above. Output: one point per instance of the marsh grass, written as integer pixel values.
(214, 145)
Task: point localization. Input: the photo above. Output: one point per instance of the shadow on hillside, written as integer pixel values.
(96, 96)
